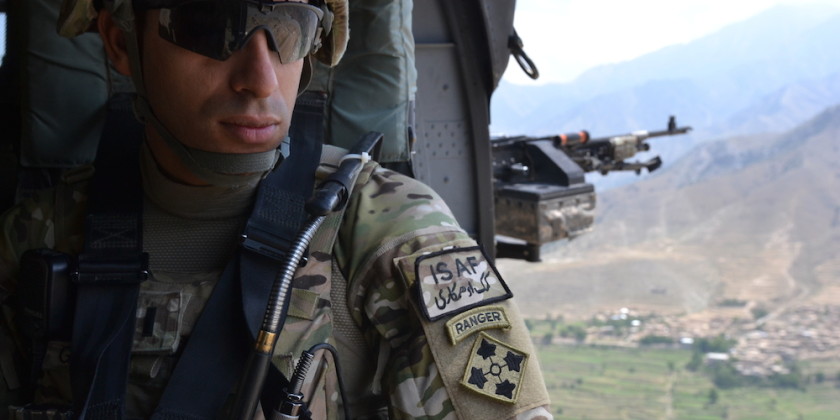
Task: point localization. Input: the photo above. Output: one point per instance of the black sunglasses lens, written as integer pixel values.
(215, 29)
(197, 26)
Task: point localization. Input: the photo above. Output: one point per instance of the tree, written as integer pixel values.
(725, 376)
(575, 331)
(759, 312)
(719, 344)
(650, 340)
(713, 396)
(547, 339)
(696, 361)
(580, 335)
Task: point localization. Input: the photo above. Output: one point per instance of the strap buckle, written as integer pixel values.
(255, 243)
(258, 245)
(114, 269)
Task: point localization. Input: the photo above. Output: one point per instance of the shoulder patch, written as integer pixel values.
(495, 369)
(475, 320)
(452, 281)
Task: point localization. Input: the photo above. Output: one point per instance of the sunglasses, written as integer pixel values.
(218, 28)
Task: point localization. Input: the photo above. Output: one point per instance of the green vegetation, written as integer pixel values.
(696, 361)
(724, 376)
(595, 382)
(793, 380)
(759, 312)
(732, 303)
(650, 340)
(713, 396)
(719, 344)
(550, 328)
(573, 331)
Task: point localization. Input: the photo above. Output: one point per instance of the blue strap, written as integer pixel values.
(109, 272)
(277, 218)
(219, 345)
(212, 360)
(101, 349)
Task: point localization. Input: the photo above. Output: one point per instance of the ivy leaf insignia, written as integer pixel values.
(495, 369)
(514, 362)
(487, 349)
(505, 389)
(477, 378)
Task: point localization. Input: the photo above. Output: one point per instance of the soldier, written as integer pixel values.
(423, 325)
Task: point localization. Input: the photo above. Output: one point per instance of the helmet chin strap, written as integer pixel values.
(223, 169)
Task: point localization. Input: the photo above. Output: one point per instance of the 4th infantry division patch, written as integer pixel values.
(495, 369)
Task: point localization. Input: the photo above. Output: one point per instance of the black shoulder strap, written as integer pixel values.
(109, 271)
(219, 343)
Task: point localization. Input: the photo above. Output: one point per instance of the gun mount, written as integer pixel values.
(541, 194)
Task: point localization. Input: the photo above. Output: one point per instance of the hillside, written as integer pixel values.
(747, 218)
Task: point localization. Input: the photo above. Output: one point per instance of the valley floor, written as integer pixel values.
(598, 382)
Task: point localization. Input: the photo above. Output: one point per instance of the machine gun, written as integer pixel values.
(540, 192)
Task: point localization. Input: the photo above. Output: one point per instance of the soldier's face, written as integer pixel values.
(239, 105)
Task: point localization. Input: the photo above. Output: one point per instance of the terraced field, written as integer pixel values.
(628, 383)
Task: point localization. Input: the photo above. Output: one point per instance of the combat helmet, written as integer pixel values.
(79, 16)
(318, 29)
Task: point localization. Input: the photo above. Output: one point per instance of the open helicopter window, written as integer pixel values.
(3, 31)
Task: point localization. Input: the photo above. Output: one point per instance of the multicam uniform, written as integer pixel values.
(424, 325)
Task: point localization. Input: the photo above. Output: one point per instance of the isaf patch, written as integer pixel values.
(475, 320)
(495, 369)
(456, 280)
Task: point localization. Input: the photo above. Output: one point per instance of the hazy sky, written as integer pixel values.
(2, 34)
(566, 37)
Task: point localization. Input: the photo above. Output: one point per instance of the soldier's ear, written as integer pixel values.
(114, 41)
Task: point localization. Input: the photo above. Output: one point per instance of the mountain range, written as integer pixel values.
(763, 75)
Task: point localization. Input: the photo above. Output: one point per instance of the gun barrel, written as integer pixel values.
(672, 132)
(644, 134)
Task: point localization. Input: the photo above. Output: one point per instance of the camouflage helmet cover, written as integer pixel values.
(79, 16)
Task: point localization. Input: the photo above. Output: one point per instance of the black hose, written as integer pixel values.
(256, 369)
(334, 352)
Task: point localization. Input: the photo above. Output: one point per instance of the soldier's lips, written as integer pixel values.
(252, 129)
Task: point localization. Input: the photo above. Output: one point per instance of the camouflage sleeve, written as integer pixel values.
(456, 345)
(17, 225)
(50, 219)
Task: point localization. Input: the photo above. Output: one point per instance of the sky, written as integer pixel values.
(566, 37)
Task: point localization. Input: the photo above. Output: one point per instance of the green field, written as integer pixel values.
(588, 382)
